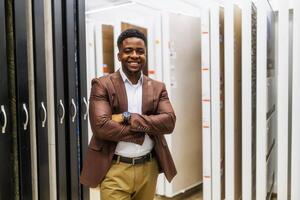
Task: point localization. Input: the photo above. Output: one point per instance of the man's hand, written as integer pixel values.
(117, 118)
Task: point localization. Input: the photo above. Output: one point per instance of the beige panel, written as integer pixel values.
(186, 145)
(32, 102)
(237, 102)
(50, 99)
(125, 26)
(108, 48)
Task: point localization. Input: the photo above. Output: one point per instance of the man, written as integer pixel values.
(129, 115)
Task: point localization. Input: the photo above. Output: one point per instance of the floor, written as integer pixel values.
(194, 194)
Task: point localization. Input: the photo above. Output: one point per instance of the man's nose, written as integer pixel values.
(134, 54)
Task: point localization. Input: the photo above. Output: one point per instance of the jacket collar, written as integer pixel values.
(147, 92)
(125, 78)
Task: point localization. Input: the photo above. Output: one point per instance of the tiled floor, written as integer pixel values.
(194, 194)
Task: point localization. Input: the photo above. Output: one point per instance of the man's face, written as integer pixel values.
(132, 55)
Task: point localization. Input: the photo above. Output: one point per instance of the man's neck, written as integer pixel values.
(133, 77)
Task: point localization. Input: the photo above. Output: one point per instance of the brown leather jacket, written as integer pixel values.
(108, 96)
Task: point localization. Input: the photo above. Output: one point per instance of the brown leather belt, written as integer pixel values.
(135, 160)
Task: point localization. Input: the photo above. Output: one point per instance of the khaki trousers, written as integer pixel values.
(130, 182)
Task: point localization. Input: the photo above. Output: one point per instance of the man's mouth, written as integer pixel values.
(134, 64)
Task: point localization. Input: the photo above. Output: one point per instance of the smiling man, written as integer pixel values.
(129, 115)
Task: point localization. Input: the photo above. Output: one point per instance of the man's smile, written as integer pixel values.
(134, 64)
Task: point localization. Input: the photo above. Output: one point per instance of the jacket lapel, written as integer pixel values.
(147, 95)
(120, 91)
(148, 101)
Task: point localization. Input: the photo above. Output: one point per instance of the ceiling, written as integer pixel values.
(96, 4)
(190, 6)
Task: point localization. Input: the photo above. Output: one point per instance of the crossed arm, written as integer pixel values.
(108, 126)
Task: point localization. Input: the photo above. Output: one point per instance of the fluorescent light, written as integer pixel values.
(110, 7)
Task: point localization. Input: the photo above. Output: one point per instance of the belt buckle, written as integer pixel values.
(136, 158)
(118, 159)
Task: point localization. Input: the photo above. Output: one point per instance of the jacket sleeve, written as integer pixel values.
(100, 118)
(163, 122)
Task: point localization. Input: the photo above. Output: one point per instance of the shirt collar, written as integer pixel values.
(125, 78)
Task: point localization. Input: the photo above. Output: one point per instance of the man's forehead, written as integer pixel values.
(133, 40)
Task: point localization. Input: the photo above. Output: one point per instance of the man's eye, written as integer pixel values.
(141, 51)
(127, 50)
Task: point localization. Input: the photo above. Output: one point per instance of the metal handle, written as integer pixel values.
(75, 110)
(86, 107)
(27, 117)
(5, 118)
(63, 111)
(45, 114)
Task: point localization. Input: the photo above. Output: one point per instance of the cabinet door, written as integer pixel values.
(40, 99)
(81, 52)
(22, 100)
(60, 102)
(6, 168)
(72, 95)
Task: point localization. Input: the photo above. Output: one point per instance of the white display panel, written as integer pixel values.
(282, 98)
(261, 170)
(206, 104)
(295, 164)
(215, 101)
(162, 184)
(185, 51)
(266, 102)
(247, 32)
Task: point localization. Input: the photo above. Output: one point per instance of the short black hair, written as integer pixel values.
(129, 33)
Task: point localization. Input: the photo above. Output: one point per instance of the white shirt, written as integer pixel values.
(134, 99)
